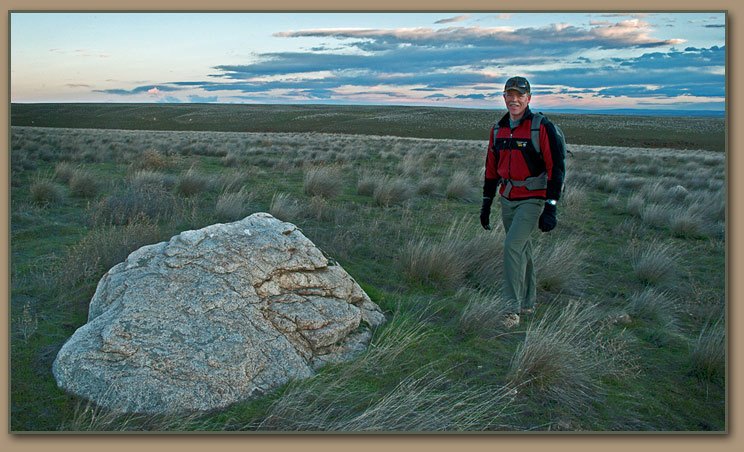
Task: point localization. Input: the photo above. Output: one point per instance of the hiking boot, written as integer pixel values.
(510, 320)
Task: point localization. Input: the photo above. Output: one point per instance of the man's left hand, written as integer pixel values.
(548, 218)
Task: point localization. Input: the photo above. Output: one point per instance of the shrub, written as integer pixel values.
(192, 182)
(85, 184)
(151, 160)
(45, 191)
(284, 208)
(233, 206)
(323, 181)
(708, 352)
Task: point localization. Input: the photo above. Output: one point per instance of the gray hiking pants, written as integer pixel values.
(520, 221)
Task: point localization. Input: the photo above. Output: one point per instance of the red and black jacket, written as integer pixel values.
(514, 162)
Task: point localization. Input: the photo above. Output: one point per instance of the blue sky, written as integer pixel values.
(574, 60)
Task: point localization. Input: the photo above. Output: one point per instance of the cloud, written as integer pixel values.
(147, 89)
(466, 63)
(170, 100)
(548, 39)
(453, 19)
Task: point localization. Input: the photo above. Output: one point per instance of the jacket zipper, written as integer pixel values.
(511, 145)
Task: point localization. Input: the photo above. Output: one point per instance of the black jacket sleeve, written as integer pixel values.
(557, 173)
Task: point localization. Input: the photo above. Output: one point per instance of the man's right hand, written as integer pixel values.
(485, 213)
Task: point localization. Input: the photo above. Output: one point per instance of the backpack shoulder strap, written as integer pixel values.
(537, 119)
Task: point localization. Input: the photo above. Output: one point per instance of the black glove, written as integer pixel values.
(547, 219)
(485, 213)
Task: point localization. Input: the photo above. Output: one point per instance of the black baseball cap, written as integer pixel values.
(518, 83)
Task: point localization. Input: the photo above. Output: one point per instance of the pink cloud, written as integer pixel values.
(453, 19)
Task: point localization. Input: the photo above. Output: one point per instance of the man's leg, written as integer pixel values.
(520, 221)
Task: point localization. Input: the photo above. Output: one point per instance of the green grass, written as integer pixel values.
(440, 348)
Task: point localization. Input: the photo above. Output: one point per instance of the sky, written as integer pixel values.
(577, 60)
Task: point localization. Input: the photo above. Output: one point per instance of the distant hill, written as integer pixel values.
(643, 112)
(596, 128)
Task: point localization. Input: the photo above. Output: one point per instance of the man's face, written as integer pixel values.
(516, 103)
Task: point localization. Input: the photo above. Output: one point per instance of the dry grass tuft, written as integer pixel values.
(85, 184)
(460, 186)
(192, 182)
(708, 352)
(285, 208)
(232, 206)
(103, 248)
(483, 312)
(392, 191)
(654, 263)
(45, 191)
(422, 400)
(657, 215)
(368, 183)
(64, 171)
(323, 181)
(636, 205)
(560, 265)
(131, 202)
(149, 179)
(562, 356)
(428, 185)
(464, 250)
(656, 307)
(320, 209)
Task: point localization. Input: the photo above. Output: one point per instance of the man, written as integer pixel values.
(530, 186)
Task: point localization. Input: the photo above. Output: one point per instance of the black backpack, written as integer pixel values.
(537, 119)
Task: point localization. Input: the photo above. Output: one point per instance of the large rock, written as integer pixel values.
(213, 317)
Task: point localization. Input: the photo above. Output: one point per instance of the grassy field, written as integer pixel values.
(629, 334)
(418, 122)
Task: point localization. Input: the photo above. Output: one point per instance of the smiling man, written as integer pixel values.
(526, 159)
